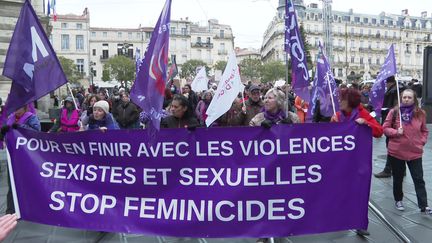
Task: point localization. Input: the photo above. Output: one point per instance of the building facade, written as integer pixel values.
(360, 41)
(90, 47)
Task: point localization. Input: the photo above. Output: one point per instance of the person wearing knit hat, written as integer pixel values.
(101, 117)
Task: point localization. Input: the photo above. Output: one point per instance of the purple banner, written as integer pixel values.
(30, 62)
(388, 69)
(148, 89)
(294, 46)
(219, 182)
(324, 87)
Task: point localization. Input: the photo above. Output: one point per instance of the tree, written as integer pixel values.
(105, 74)
(220, 65)
(70, 69)
(272, 71)
(251, 68)
(120, 68)
(188, 69)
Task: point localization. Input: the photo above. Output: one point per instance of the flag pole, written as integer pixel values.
(286, 78)
(243, 98)
(398, 98)
(331, 97)
(73, 98)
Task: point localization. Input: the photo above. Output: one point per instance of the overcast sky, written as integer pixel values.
(248, 18)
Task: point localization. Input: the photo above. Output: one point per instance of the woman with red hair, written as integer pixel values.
(352, 110)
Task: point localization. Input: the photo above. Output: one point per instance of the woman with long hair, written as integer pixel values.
(405, 147)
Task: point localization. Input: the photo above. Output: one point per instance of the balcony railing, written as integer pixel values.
(222, 52)
(202, 45)
(104, 58)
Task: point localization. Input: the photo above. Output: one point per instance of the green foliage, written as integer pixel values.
(272, 71)
(251, 68)
(220, 65)
(70, 69)
(188, 69)
(106, 74)
(120, 68)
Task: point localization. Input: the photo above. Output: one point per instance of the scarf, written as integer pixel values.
(352, 116)
(276, 117)
(407, 112)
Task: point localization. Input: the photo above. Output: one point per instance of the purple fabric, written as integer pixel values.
(321, 90)
(21, 120)
(377, 93)
(294, 46)
(278, 116)
(407, 113)
(149, 88)
(351, 117)
(313, 191)
(30, 62)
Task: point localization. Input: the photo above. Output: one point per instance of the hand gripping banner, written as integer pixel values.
(219, 182)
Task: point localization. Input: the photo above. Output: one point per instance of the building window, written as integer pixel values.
(79, 26)
(378, 62)
(64, 25)
(361, 44)
(339, 29)
(370, 44)
(65, 42)
(148, 35)
(104, 34)
(361, 31)
(352, 59)
(382, 22)
(129, 35)
(369, 32)
(199, 40)
(385, 34)
(357, 19)
(407, 48)
(105, 54)
(418, 49)
(80, 42)
(361, 60)
(173, 30)
(80, 65)
(119, 34)
(93, 34)
(370, 60)
(352, 30)
(208, 40)
(94, 52)
(184, 31)
(390, 22)
(374, 21)
(378, 45)
(394, 34)
(222, 34)
(352, 44)
(365, 20)
(138, 35)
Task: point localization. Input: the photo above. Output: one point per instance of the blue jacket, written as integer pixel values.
(107, 122)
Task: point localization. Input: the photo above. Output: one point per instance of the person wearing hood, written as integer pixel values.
(68, 119)
(126, 113)
(101, 118)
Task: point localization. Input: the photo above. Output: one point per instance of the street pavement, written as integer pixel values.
(416, 226)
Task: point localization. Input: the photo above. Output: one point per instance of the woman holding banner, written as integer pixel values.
(182, 114)
(274, 104)
(407, 133)
(352, 110)
(101, 118)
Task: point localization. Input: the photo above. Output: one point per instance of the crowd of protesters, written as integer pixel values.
(260, 105)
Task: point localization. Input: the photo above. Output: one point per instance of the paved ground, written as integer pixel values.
(415, 225)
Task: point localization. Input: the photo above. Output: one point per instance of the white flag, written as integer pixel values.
(229, 87)
(200, 82)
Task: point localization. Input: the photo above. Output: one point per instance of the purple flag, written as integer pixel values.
(148, 89)
(30, 62)
(388, 69)
(221, 182)
(324, 87)
(294, 46)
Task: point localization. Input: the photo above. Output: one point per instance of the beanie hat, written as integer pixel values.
(103, 105)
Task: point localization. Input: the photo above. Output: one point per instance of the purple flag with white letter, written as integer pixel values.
(138, 60)
(294, 46)
(30, 62)
(148, 89)
(324, 87)
(388, 69)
